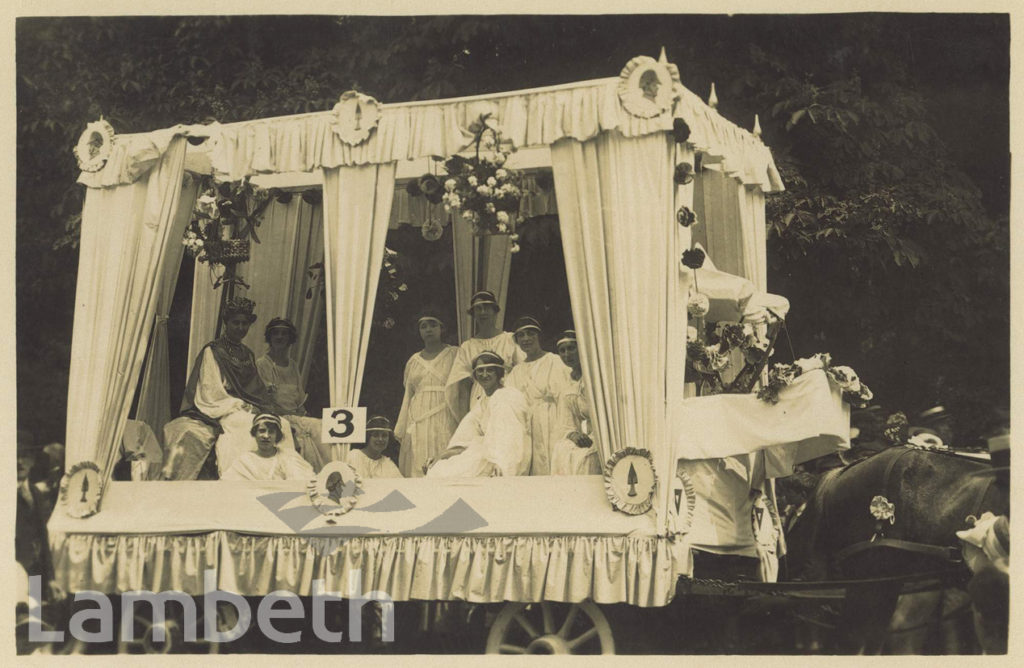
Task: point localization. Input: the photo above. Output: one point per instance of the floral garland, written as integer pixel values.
(390, 288)
(225, 217)
(482, 188)
(708, 353)
(855, 393)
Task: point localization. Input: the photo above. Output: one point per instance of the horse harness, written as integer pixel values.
(946, 553)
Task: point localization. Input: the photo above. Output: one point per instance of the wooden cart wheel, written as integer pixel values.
(173, 642)
(551, 628)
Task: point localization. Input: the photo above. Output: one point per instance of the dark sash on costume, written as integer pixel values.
(237, 366)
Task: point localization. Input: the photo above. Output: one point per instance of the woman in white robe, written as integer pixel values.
(574, 452)
(493, 439)
(541, 377)
(426, 420)
(370, 461)
(282, 377)
(486, 336)
(269, 461)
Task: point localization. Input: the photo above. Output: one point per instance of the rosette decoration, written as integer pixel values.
(224, 219)
(481, 188)
(855, 393)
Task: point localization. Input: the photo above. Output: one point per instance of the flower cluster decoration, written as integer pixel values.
(685, 216)
(481, 188)
(390, 288)
(882, 509)
(896, 426)
(225, 217)
(855, 393)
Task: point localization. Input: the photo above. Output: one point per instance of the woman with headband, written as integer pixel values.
(370, 460)
(574, 452)
(493, 439)
(426, 420)
(269, 461)
(541, 377)
(281, 374)
(487, 335)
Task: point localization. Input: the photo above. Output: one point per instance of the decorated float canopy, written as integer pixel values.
(633, 159)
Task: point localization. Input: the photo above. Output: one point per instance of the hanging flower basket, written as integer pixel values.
(231, 251)
(224, 221)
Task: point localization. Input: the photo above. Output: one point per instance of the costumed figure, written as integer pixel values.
(282, 376)
(31, 545)
(541, 377)
(269, 461)
(225, 390)
(426, 421)
(370, 461)
(486, 336)
(575, 452)
(493, 439)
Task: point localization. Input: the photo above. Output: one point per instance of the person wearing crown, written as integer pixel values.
(225, 390)
(269, 461)
(370, 460)
(493, 439)
(281, 375)
(487, 335)
(541, 377)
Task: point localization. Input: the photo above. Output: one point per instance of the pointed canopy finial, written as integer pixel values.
(757, 126)
(713, 98)
(662, 58)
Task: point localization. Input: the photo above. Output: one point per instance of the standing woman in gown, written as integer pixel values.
(574, 452)
(486, 336)
(281, 375)
(541, 377)
(426, 420)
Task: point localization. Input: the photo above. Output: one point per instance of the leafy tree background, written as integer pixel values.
(891, 132)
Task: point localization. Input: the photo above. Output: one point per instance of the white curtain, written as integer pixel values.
(128, 237)
(357, 206)
(616, 198)
(481, 263)
(732, 225)
(291, 239)
(154, 406)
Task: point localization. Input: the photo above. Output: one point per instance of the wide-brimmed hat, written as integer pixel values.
(378, 423)
(483, 297)
(524, 323)
(239, 305)
(999, 456)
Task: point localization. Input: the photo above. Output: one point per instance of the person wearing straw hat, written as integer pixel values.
(426, 420)
(574, 452)
(487, 335)
(370, 461)
(493, 439)
(541, 377)
(269, 461)
(284, 380)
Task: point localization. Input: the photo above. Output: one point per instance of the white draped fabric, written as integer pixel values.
(616, 202)
(154, 407)
(357, 206)
(128, 234)
(291, 239)
(733, 225)
(481, 263)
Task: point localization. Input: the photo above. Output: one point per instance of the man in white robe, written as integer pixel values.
(493, 439)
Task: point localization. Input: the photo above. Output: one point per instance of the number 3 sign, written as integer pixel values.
(343, 425)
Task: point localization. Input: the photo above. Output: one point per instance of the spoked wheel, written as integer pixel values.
(173, 641)
(551, 628)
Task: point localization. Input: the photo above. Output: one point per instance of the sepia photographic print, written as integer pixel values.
(508, 333)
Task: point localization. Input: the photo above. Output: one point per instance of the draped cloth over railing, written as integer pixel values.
(128, 233)
(154, 407)
(615, 200)
(357, 206)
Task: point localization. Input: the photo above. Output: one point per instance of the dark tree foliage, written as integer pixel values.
(891, 132)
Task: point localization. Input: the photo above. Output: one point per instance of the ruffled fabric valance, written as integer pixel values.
(406, 131)
(638, 570)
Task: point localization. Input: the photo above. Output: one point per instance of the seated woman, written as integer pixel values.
(370, 461)
(493, 439)
(225, 390)
(281, 375)
(575, 453)
(541, 377)
(269, 462)
(426, 421)
(466, 392)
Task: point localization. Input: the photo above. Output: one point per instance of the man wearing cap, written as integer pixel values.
(487, 335)
(370, 461)
(493, 439)
(541, 377)
(269, 461)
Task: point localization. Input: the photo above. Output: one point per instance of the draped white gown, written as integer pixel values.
(494, 431)
(541, 382)
(426, 420)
